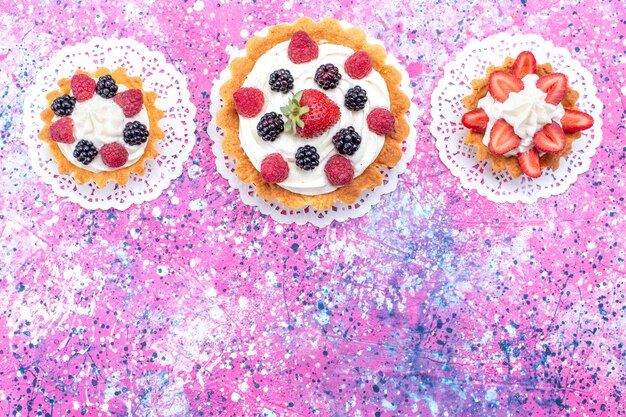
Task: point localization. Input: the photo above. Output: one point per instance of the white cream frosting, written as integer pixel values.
(312, 182)
(527, 111)
(101, 121)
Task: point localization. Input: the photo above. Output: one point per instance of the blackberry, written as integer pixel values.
(135, 133)
(347, 141)
(281, 80)
(327, 76)
(85, 151)
(307, 157)
(63, 106)
(356, 98)
(106, 87)
(270, 126)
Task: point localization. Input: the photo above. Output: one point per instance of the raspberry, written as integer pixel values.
(281, 80)
(83, 87)
(307, 157)
(106, 87)
(339, 170)
(64, 105)
(270, 126)
(381, 121)
(327, 76)
(347, 141)
(135, 133)
(249, 101)
(62, 130)
(356, 98)
(85, 151)
(358, 65)
(274, 168)
(302, 48)
(114, 155)
(131, 102)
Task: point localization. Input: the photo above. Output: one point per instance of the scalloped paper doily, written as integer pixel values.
(339, 211)
(460, 158)
(173, 99)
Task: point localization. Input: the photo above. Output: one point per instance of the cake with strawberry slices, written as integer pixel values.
(523, 116)
(312, 113)
(101, 126)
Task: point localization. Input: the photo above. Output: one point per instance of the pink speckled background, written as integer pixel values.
(437, 303)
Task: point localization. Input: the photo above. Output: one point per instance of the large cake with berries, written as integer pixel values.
(101, 126)
(523, 116)
(311, 113)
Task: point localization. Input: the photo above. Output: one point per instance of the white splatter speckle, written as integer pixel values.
(244, 33)
(197, 205)
(175, 200)
(199, 5)
(235, 397)
(287, 5)
(156, 212)
(162, 270)
(491, 395)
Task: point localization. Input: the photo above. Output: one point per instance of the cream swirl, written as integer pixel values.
(312, 182)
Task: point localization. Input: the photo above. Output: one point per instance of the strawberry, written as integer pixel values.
(83, 87)
(114, 155)
(249, 101)
(131, 102)
(524, 64)
(274, 168)
(62, 130)
(501, 84)
(302, 48)
(575, 121)
(555, 85)
(529, 162)
(358, 65)
(503, 138)
(311, 113)
(476, 120)
(550, 139)
(381, 121)
(339, 170)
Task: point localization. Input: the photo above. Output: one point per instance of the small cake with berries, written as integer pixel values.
(101, 126)
(312, 114)
(523, 116)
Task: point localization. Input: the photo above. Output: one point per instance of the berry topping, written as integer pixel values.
(339, 170)
(550, 139)
(381, 121)
(503, 138)
(574, 121)
(347, 141)
(114, 155)
(249, 101)
(307, 157)
(311, 113)
(106, 87)
(501, 84)
(83, 87)
(555, 85)
(302, 48)
(327, 76)
(358, 65)
(476, 120)
(356, 98)
(281, 80)
(62, 130)
(529, 162)
(131, 102)
(274, 168)
(135, 133)
(270, 126)
(85, 151)
(524, 64)
(64, 105)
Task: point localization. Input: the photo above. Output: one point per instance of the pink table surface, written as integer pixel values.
(437, 303)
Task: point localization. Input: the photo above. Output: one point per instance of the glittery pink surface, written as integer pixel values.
(437, 303)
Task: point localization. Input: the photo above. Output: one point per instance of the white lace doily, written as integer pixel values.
(339, 211)
(449, 133)
(158, 76)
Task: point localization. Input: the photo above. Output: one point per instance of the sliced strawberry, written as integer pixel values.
(501, 84)
(476, 120)
(550, 139)
(529, 162)
(524, 64)
(503, 138)
(555, 85)
(575, 121)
